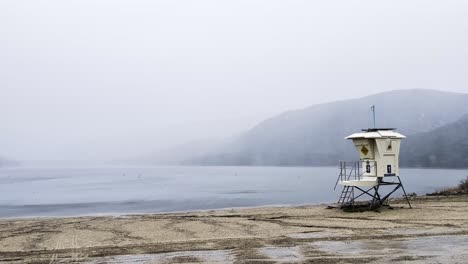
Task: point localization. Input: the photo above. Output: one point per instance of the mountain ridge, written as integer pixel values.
(313, 136)
(448, 147)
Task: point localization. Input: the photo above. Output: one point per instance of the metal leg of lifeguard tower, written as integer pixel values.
(347, 196)
(348, 200)
(399, 185)
(375, 197)
(404, 192)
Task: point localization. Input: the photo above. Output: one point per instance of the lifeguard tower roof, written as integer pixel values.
(376, 133)
(376, 129)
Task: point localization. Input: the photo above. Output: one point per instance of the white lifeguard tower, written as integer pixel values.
(378, 150)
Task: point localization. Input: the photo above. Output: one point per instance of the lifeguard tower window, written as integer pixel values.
(378, 150)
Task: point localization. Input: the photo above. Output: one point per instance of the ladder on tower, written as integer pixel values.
(347, 195)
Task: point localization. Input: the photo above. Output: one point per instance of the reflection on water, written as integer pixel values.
(428, 246)
(208, 256)
(62, 191)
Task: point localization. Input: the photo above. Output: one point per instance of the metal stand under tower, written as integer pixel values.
(355, 182)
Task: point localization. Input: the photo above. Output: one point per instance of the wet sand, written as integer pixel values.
(434, 231)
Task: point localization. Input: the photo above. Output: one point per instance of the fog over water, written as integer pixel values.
(103, 80)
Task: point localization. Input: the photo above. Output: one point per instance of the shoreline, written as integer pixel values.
(271, 206)
(300, 234)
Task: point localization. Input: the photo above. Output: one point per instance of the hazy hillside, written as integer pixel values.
(180, 153)
(314, 136)
(446, 146)
(7, 162)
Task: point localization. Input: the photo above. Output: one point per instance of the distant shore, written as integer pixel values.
(435, 230)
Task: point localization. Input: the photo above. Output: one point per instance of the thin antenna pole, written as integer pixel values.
(373, 113)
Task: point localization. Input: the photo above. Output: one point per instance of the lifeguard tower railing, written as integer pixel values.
(352, 170)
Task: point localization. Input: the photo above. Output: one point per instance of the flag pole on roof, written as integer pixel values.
(373, 113)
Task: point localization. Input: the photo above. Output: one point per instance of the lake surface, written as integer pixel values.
(62, 191)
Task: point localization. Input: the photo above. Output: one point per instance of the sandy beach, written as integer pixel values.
(434, 231)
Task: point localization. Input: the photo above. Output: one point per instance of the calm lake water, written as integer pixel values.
(44, 191)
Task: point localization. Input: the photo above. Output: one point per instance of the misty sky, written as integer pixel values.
(112, 79)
